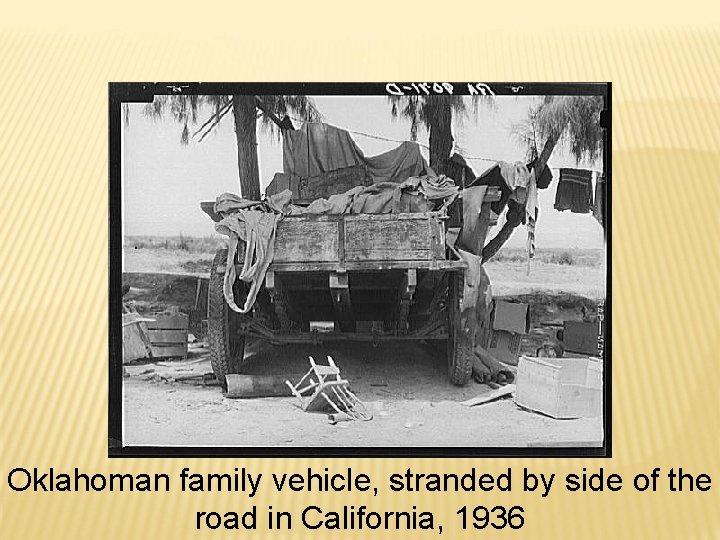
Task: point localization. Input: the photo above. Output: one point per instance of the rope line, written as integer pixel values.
(388, 139)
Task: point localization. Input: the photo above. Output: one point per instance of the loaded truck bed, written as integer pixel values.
(363, 277)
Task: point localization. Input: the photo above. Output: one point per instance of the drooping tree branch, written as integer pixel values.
(284, 124)
(217, 118)
(214, 119)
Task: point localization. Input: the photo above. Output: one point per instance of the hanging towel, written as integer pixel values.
(574, 191)
(516, 175)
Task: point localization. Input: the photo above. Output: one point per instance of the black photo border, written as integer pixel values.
(133, 92)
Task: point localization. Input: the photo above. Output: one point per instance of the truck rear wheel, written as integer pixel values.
(459, 346)
(226, 343)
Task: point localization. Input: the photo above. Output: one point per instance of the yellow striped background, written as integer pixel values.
(53, 241)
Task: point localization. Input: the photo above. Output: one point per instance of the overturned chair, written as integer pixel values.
(322, 390)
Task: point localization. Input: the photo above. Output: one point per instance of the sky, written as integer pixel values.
(164, 181)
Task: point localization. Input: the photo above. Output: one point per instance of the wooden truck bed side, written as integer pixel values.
(362, 241)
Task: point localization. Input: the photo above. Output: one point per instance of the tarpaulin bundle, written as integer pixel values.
(412, 195)
(318, 148)
(227, 203)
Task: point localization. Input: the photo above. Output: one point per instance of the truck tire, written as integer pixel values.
(459, 346)
(227, 345)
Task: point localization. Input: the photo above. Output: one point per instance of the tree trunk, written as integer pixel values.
(441, 139)
(494, 245)
(548, 150)
(498, 241)
(246, 135)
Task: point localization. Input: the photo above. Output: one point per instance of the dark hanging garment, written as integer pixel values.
(492, 177)
(544, 178)
(599, 206)
(459, 170)
(574, 191)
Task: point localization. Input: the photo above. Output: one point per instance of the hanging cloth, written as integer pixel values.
(574, 191)
(318, 148)
(599, 204)
(524, 186)
(257, 230)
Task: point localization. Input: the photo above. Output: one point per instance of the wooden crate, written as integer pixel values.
(168, 335)
(560, 387)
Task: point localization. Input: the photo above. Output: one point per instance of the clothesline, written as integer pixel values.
(388, 139)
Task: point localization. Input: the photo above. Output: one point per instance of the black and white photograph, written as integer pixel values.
(360, 269)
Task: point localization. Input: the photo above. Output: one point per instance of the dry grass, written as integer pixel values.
(189, 244)
(575, 271)
(560, 256)
(556, 271)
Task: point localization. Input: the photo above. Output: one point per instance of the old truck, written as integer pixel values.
(354, 277)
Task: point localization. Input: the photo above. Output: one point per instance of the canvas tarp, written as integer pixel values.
(257, 229)
(396, 165)
(318, 148)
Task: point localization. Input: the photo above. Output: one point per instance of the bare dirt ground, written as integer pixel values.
(405, 385)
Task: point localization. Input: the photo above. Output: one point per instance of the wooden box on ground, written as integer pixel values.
(560, 387)
(581, 337)
(168, 335)
(509, 322)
